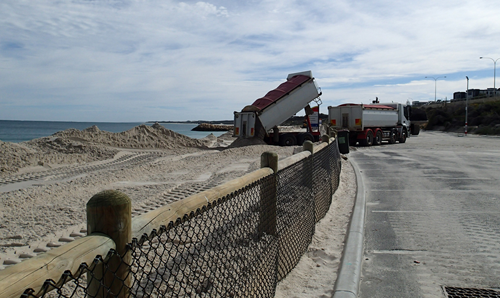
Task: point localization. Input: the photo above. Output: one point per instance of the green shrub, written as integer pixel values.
(486, 115)
(488, 130)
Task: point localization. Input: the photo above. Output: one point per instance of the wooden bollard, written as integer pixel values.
(110, 212)
(332, 132)
(268, 200)
(269, 160)
(308, 146)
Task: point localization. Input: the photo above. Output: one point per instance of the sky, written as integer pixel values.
(167, 60)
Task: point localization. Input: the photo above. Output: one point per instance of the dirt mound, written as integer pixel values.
(15, 156)
(91, 144)
(48, 151)
(139, 137)
(246, 142)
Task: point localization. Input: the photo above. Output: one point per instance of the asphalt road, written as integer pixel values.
(432, 216)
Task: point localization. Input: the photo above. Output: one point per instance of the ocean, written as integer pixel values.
(20, 131)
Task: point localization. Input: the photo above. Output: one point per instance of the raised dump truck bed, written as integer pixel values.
(269, 111)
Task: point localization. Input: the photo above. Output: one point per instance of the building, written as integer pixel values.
(418, 103)
(472, 93)
(490, 92)
(458, 96)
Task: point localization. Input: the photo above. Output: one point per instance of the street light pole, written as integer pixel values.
(466, 104)
(435, 84)
(494, 72)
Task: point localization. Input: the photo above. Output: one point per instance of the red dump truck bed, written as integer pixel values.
(281, 91)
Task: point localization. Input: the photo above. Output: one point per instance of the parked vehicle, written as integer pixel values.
(371, 124)
(261, 119)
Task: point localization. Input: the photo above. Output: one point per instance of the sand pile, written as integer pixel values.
(15, 156)
(139, 137)
(222, 141)
(91, 144)
(247, 142)
(48, 151)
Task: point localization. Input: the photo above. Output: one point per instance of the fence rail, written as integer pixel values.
(235, 240)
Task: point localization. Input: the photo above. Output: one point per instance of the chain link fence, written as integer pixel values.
(241, 245)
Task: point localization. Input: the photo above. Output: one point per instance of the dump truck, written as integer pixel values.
(262, 118)
(370, 124)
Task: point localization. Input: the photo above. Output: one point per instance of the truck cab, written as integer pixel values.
(404, 112)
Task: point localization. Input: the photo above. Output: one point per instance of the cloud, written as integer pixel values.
(205, 59)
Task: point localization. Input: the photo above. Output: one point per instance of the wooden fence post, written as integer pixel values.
(110, 212)
(268, 201)
(308, 146)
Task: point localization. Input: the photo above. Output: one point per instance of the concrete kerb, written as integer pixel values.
(347, 284)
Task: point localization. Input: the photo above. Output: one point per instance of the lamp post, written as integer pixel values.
(466, 104)
(435, 83)
(494, 71)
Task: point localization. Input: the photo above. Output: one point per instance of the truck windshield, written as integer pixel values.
(407, 112)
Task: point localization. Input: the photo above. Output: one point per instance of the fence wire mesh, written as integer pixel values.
(335, 164)
(240, 245)
(322, 183)
(217, 252)
(295, 215)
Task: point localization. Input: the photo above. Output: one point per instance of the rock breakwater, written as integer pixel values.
(212, 127)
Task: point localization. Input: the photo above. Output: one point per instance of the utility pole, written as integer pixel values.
(435, 84)
(466, 104)
(494, 72)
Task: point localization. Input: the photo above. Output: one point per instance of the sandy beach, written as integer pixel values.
(46, 183)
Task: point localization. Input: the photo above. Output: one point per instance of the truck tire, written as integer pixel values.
(402, 139)
(288, 139)
(368, 141)
(378, 138)
(302, 137)
(392, 137)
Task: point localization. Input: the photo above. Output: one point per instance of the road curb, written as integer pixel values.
(349, 275)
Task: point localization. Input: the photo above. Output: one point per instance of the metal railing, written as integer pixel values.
(235, 240)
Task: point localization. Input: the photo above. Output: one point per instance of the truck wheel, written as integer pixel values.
(302, 137)
(392, 138)
(403, 137)
(368, 141)
(288, 140)
(378, 138)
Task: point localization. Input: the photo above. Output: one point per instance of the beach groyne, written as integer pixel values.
(212, 127)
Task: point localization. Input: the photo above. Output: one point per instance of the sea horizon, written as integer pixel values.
(17, 131)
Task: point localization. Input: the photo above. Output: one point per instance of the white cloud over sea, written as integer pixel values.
(140, 60)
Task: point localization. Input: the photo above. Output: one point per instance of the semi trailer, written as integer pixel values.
(262, 118)
(370, 124)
